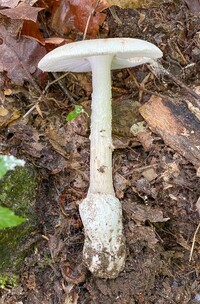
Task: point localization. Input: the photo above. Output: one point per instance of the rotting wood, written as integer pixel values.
(176, 124)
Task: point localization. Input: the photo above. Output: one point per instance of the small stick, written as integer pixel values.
(89, 19)
(65, 90)
(193, 242)
(45, 90)
(114, 15)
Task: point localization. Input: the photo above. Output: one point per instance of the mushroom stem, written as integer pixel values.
(101, 126)
(101, 211)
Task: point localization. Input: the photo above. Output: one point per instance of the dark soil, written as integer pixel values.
(158, 187)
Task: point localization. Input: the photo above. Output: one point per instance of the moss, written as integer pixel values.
(17, 192)
(8, 281)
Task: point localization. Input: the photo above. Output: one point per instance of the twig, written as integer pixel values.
(42, 93)
(193, 242)
(30, 110)
(65, 90)
(114, 15)
(89, 19)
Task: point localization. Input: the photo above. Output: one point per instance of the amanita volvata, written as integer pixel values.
(101, 212)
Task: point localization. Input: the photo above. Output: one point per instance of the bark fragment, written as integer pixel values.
(176, 123)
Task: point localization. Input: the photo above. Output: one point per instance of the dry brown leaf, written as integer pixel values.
(150, 174)
(28, 138)
(55, 245)
(19, 58)
(121, 185)
(6, 116)
(141, 233)
(23, 11)
(9, 3)
(143, 213)
(193, 5)
(72, 15)
(198, 205)
(57, 139)
(134, 3)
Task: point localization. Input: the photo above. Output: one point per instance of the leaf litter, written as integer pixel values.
(158, 186)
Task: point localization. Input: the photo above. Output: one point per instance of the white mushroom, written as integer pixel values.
(101, 212)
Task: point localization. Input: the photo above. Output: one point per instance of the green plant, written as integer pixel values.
(76, 112)
(7, 216)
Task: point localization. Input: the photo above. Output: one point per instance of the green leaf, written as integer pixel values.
(9, 219)
(9, 162)
(77, 111)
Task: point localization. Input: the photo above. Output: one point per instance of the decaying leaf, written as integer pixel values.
(143, 213)
(134, 3)
(23, 11)
(198, 205)
(32, 30)
(141, 233)
(72, 15)
(28, 137)
(19, 58)
(193, 5)
(121, 185)
(9, 3)
(6, 116)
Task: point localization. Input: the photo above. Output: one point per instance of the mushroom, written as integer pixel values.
(101, 212)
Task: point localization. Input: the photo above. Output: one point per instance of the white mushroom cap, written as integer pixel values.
(127, 52)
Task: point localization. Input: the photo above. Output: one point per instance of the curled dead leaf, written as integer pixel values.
(7, 117)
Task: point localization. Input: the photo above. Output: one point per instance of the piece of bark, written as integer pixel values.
(176, 123)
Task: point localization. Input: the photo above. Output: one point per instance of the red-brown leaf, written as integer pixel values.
(32, 29)
(72, 15)
(19, 58)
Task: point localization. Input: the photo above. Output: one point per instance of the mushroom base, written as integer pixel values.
(104, 249)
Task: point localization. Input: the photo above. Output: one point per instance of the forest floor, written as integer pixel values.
(155, 180)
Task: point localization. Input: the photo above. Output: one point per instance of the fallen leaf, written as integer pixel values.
(23, 11)
(193, 5)
(141, 233)
(142, 185)
(198, 205)
(150, 174)
(6, 116)
(143, 213)
(31, 281)
(121, 185)
(27, 137)
(19, 58)
(135, 3)
(73, 273)
(47, 4)
(32, 30)
(72, 15)
(9, 3)
(55, 245)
